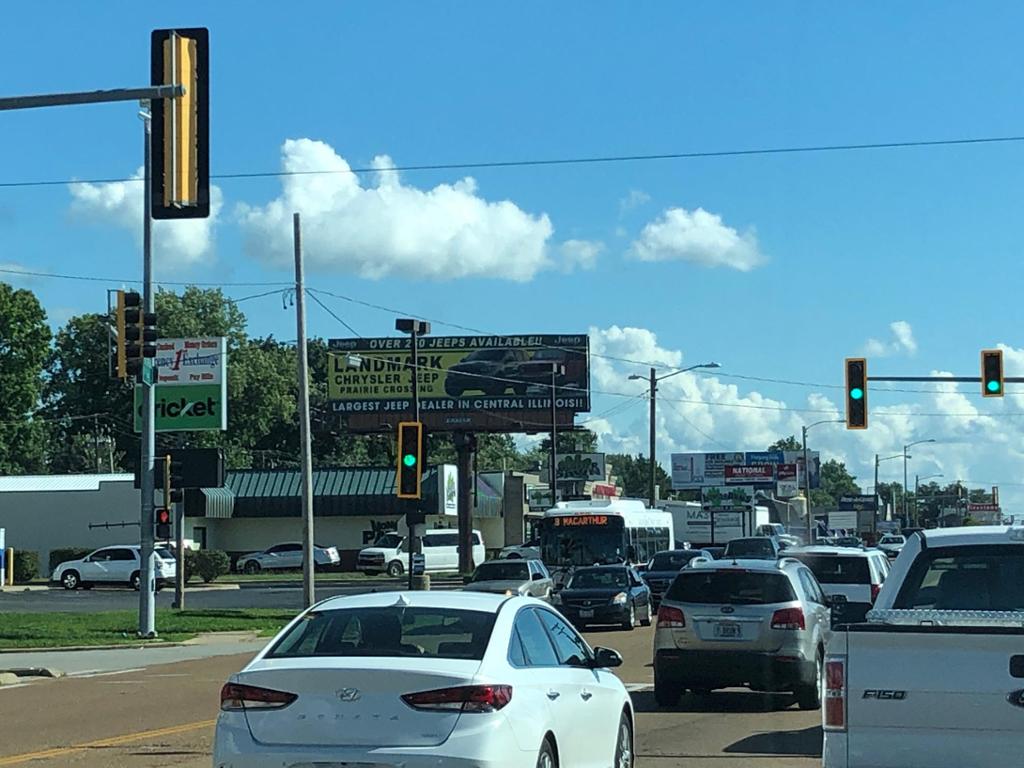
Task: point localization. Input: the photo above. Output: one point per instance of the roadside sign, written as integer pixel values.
(185, 408)
(419, 564)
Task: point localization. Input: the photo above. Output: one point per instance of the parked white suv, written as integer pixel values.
(440, 548)
(114, 565)
(856, 574)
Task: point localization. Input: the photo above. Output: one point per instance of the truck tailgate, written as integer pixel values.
(927, 697)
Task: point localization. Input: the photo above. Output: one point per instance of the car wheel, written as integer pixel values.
(624, 744)
(71, 580)
(135, 581)
(646, 620)
(547, 757)
(666, 695)
(630, 622)
(395, 569)
(809, 696)
(251, 567)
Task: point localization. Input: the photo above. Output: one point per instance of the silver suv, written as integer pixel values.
(753, 623)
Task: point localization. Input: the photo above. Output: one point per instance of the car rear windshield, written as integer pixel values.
(599, 578)
(975, 578)
(833, 569)
(439, 633)
(672, 561)
(506, 570)
(730, 587)
(164, 554)
(749, 548)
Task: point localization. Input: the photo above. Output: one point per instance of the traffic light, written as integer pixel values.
(992, 372)
(163, 524)
(410, 459)
(180, 166)
(174, 481)
(856, 393)
(136, 334)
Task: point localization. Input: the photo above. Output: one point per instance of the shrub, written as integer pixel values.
(211, 563)
(190, 564)
(62, 555)
(26, 566)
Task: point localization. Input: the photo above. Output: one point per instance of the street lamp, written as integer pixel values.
(653, 385)
(807, 475)
(905, 457)
(557, 369)
(917, 485)
(874, 520)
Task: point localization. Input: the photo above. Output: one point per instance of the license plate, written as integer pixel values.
(727, 630)
(586, 613)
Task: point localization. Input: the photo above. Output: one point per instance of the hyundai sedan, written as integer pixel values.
(419, 679)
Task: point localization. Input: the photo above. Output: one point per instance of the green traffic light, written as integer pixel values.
(993, 386)
(409, 460)
(856, 393)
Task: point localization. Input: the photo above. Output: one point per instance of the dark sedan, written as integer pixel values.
(665, 566)
(606, 594)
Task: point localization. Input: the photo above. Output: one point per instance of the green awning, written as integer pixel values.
(220, 502)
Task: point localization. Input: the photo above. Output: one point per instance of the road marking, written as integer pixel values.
(634, 687)
(98, 673)
(114, 741)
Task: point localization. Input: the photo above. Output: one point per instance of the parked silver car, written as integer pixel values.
(758, 624)
(517, 577)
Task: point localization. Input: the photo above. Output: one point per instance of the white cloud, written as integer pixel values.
(390, 228)
(903, 342)
(580, 254)
(699, 237)
(634, 199)
(178, 243)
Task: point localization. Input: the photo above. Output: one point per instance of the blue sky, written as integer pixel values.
(835, 246)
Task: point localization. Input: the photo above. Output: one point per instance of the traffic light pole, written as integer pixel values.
(147, 443)
(414, 541)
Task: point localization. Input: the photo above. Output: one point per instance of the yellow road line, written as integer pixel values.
(114, 741)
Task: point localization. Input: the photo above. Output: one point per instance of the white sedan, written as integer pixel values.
(892, 544)
(286, 556)
(419, 679)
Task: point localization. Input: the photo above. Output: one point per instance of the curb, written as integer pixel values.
(26, 588)
(33, 672)
(122, 647)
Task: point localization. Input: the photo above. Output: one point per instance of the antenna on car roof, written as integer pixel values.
(401, 602)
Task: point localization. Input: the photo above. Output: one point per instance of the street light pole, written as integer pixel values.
(653, 392)
(807, 474)
(557, 369)
(905, 457)
(917, 486)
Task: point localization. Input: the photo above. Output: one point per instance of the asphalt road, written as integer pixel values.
(163, 716)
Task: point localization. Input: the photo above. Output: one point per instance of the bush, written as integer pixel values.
(190, 564)
(62, 555)
(26, 566)
(211, 563)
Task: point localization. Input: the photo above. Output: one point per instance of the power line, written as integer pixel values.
(558, 161)
(331, 312)
(134, 281)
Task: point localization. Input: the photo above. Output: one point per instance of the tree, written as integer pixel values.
(786, 444)
(836, 482)
(24, 343)
(634, 475)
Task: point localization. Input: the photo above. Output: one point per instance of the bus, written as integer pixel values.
(575, 533)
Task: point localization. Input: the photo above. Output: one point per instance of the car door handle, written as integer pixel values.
(553, 695)
(585, 695)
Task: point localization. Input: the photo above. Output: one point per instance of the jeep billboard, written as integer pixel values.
(474, 383)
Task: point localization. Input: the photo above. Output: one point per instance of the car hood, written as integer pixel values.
(497, 586)
(374, 551)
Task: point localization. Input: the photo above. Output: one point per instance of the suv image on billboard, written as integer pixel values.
(535, 372)
(490, 371)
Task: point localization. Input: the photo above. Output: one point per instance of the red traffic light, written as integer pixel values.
(163, 516)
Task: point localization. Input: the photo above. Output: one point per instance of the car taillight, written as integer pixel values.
(875, 590)
(835, 693)
(788, 618)
(235, 698)
(670, 618)
(466, 698)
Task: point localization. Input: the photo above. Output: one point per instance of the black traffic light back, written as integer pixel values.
(410, 460)
(856, 393)
(174, 481)
(992, 372)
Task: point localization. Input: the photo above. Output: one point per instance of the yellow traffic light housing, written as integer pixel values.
(409, 475)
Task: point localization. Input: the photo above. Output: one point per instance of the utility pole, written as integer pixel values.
(305, 447)
(874, 517)
(807, 491)
(556, 369)
(96, 441)
(414, 344)
(654, 425)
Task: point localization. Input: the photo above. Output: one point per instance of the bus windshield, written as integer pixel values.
(587, 544)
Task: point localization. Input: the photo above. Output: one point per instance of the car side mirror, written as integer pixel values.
(606, 658)
(537, 576)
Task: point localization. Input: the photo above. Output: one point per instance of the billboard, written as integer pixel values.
(481, 383)
(698, 470)
(191, 385)
(762, 474)
(191, 361)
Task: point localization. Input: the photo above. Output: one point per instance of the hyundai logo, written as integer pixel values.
(728, 609)
(1016, 698)
(349, 694)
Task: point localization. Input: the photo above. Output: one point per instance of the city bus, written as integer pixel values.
(575, 533)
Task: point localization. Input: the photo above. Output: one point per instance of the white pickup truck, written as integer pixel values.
(935, 678)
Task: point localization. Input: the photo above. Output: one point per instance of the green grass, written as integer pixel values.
(52, 630)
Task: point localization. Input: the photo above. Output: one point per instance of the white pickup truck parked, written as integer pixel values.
(935, 678)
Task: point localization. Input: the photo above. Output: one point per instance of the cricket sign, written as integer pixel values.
(192, 385)
(474, 383)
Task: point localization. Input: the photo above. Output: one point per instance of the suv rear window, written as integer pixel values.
(976, 578)
(832, 569)
(672, 561)
(439, 633)
(756, 548)
(731, 587)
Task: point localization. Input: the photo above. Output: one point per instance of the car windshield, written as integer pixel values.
(599, 578)
(730, 587)
(756, 548)
(836, 569)
(976, 578)
(505, 570)
(388, 541)
(442, 633)
(672, 561)
(164, 553)
(892, 540)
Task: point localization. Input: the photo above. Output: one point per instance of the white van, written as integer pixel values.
(440, 553)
